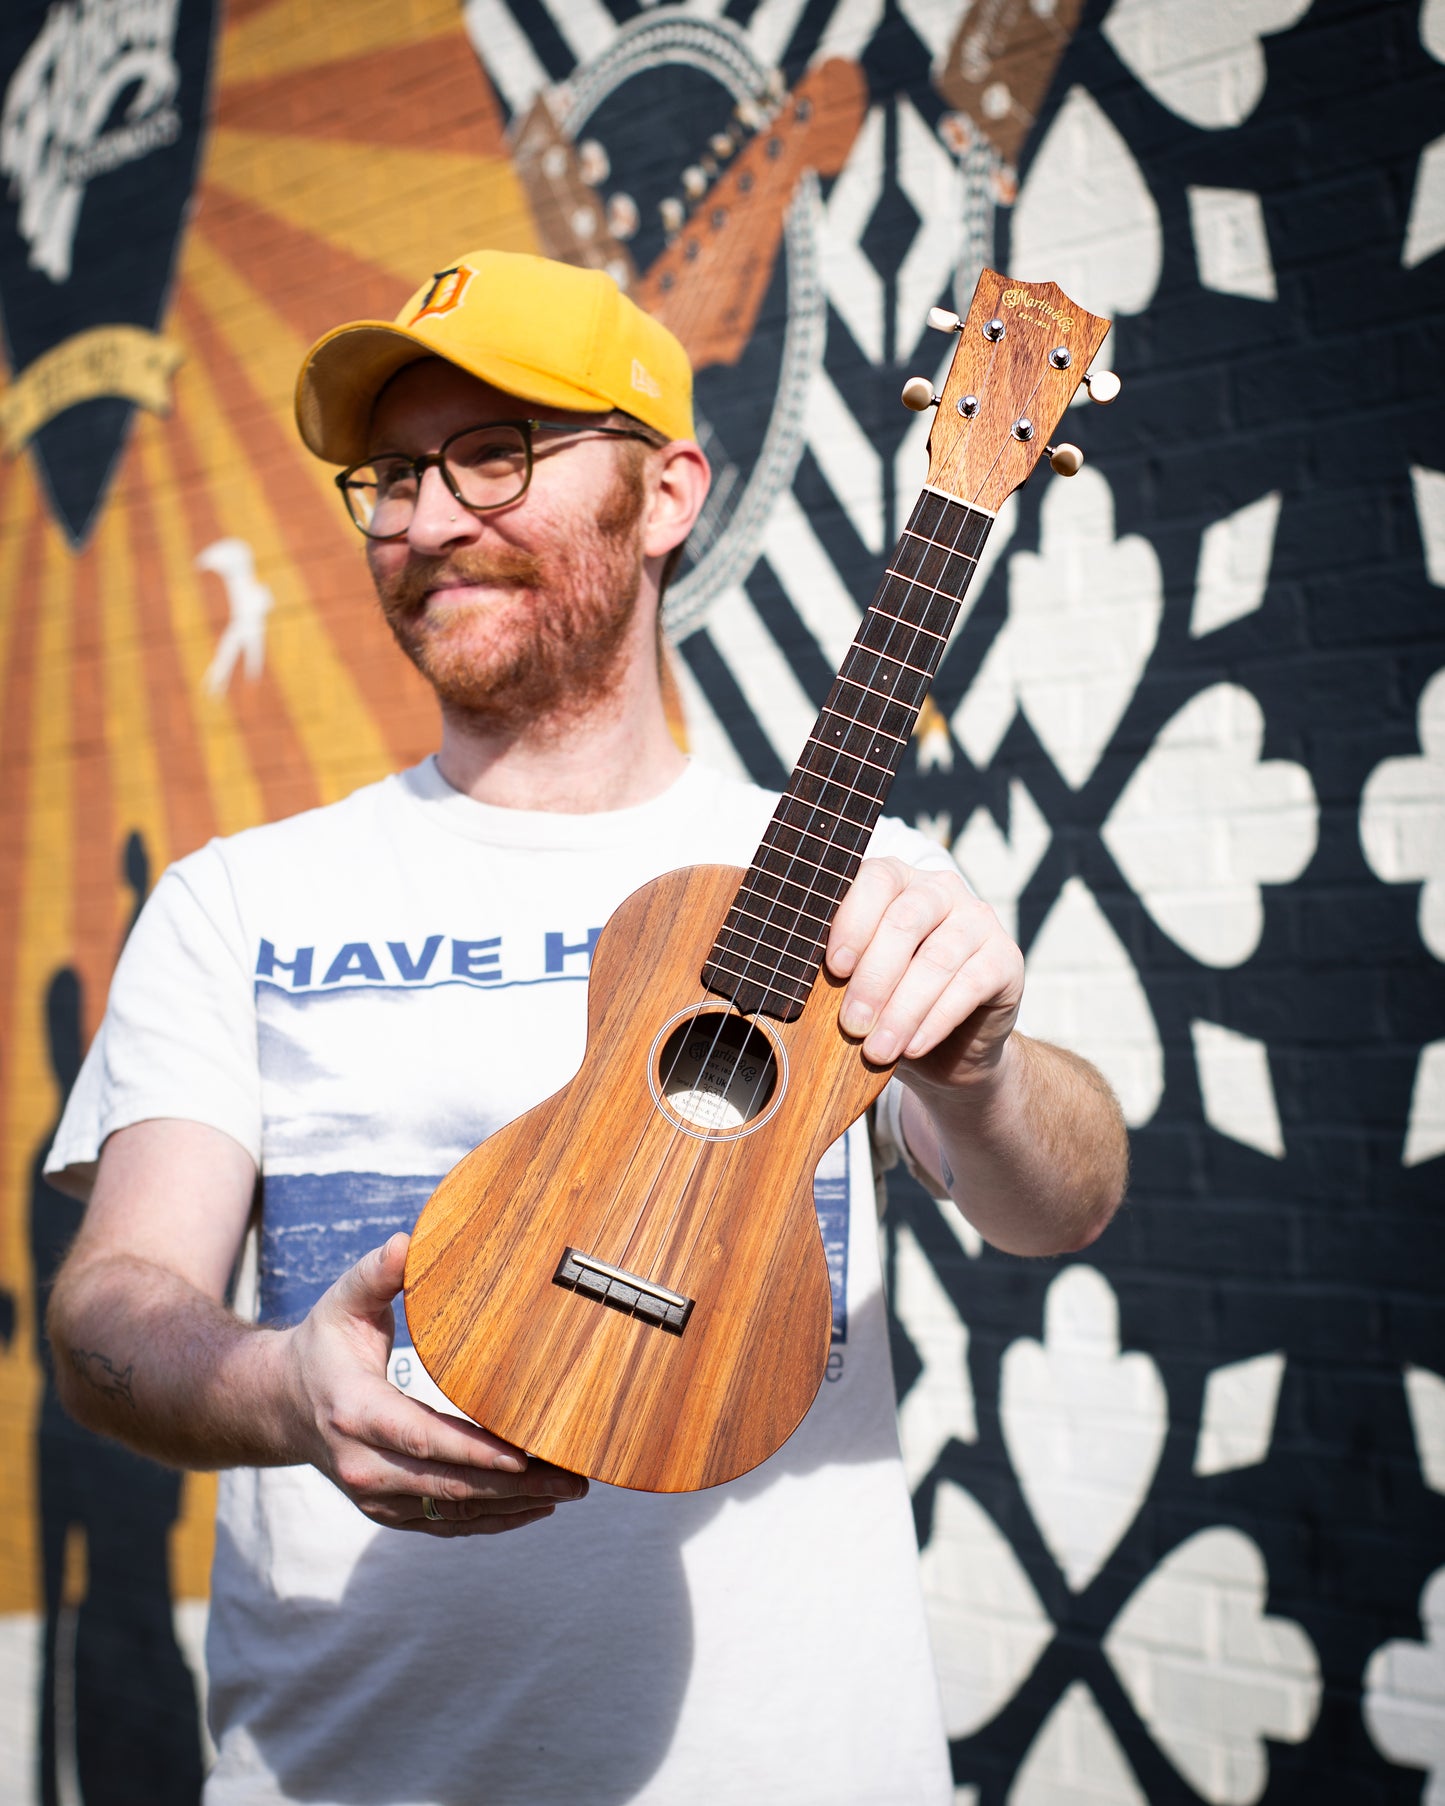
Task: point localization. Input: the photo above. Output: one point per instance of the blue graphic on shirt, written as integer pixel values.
(316, 1225)
(353, 965)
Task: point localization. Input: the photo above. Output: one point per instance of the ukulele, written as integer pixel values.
(629, 1280)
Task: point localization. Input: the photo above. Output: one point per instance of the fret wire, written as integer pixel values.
(899, 739)
(878, 612)
(837, 814)
(767, 976)
(824, 922)
(858, 758)
(938, 545)
(918, 583)
(809, 962)
(815, 834)
(817, 865)
(893, 701)
(917, 670)
(807, 887)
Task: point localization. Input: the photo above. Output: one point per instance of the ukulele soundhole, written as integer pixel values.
(716, 1074)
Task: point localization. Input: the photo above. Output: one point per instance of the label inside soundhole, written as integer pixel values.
(717, 1071)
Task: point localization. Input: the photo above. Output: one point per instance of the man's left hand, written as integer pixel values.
(933, 978)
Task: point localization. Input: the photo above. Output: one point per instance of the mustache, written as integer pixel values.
(406, 592)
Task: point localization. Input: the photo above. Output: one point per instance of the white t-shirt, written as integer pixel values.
(358, 996)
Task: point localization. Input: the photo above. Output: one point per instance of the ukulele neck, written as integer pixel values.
(766, 958)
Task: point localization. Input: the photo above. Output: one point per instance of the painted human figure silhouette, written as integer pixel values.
(116, 1698)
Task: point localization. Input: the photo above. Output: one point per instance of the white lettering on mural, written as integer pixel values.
(53, 128)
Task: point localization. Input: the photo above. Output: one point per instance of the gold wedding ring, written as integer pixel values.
(429, 1511)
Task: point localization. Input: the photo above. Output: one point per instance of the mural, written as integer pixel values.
(1179, 1499)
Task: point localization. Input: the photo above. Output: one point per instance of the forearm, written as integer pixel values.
(1034, 1152)
(145, 1357)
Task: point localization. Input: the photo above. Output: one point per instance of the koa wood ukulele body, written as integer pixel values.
(629, 1280)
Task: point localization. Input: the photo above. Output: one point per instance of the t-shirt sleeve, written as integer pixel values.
(179, 1034)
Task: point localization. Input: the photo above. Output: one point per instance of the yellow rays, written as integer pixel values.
(265, 346)
(395, 208)
(287, 37)
(129, 732)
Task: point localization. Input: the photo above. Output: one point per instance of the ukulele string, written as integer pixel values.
(619, 1256)
(729, 1012)
(895, 622)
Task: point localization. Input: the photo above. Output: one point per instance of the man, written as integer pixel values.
(344, 1003)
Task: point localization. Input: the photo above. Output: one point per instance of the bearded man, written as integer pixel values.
(314, 1020)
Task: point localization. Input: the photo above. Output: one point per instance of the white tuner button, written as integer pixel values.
(918, 394)
(1102, 385)
(1067, 460)
(941, 320)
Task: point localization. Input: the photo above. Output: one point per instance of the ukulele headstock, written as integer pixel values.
(1023, 349)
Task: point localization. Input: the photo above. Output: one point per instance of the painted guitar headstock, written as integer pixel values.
(1024, 348)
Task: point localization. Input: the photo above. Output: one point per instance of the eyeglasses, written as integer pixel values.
(483, 466)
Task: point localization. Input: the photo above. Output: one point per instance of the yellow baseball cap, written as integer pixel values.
(545, 332)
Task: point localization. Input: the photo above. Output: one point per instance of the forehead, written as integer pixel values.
(429, 399)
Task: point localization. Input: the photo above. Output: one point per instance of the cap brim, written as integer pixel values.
(345, 371)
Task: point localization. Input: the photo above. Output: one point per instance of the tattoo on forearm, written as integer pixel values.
(100, 1371)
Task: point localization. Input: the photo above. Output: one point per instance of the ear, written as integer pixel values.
(679, 489)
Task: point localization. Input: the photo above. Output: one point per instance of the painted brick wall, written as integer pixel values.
(1179, 1497)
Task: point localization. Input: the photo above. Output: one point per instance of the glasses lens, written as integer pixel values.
(381, 496)
(488, 467)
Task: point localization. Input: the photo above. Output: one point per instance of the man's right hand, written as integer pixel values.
(387, 1452)
(148, 1351)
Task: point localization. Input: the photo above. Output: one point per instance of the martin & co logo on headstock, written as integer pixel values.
(100, 126)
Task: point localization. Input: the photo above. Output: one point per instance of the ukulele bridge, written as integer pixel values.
(623, 1291)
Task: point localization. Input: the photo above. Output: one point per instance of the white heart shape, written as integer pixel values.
(1083, 1424)
(1404, 1707)
(1208, 1672)
(987, 1624)
(1084, 614)
(1401, 820)
(1082, 992)
(1085, 217)
(1204, 63)
(1203, 823)
(1075, 1760)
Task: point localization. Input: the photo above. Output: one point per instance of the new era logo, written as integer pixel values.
(643, 380)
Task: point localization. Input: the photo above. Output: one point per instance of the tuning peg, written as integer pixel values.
(748, 114)
(1067, 460)
(721, 146)
(918, 394)
(674, 214)
(593, 164)
(941, 320)
(1102, 385)
(694, 182)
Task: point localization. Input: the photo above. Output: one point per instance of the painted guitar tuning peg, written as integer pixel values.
(1102, 385)
(918, 394)
(941, 320)
(593, 164)
(1067, 460)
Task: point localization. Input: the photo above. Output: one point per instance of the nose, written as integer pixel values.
(440, 522)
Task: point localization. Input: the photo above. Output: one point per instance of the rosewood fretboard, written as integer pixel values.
(766, 958)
